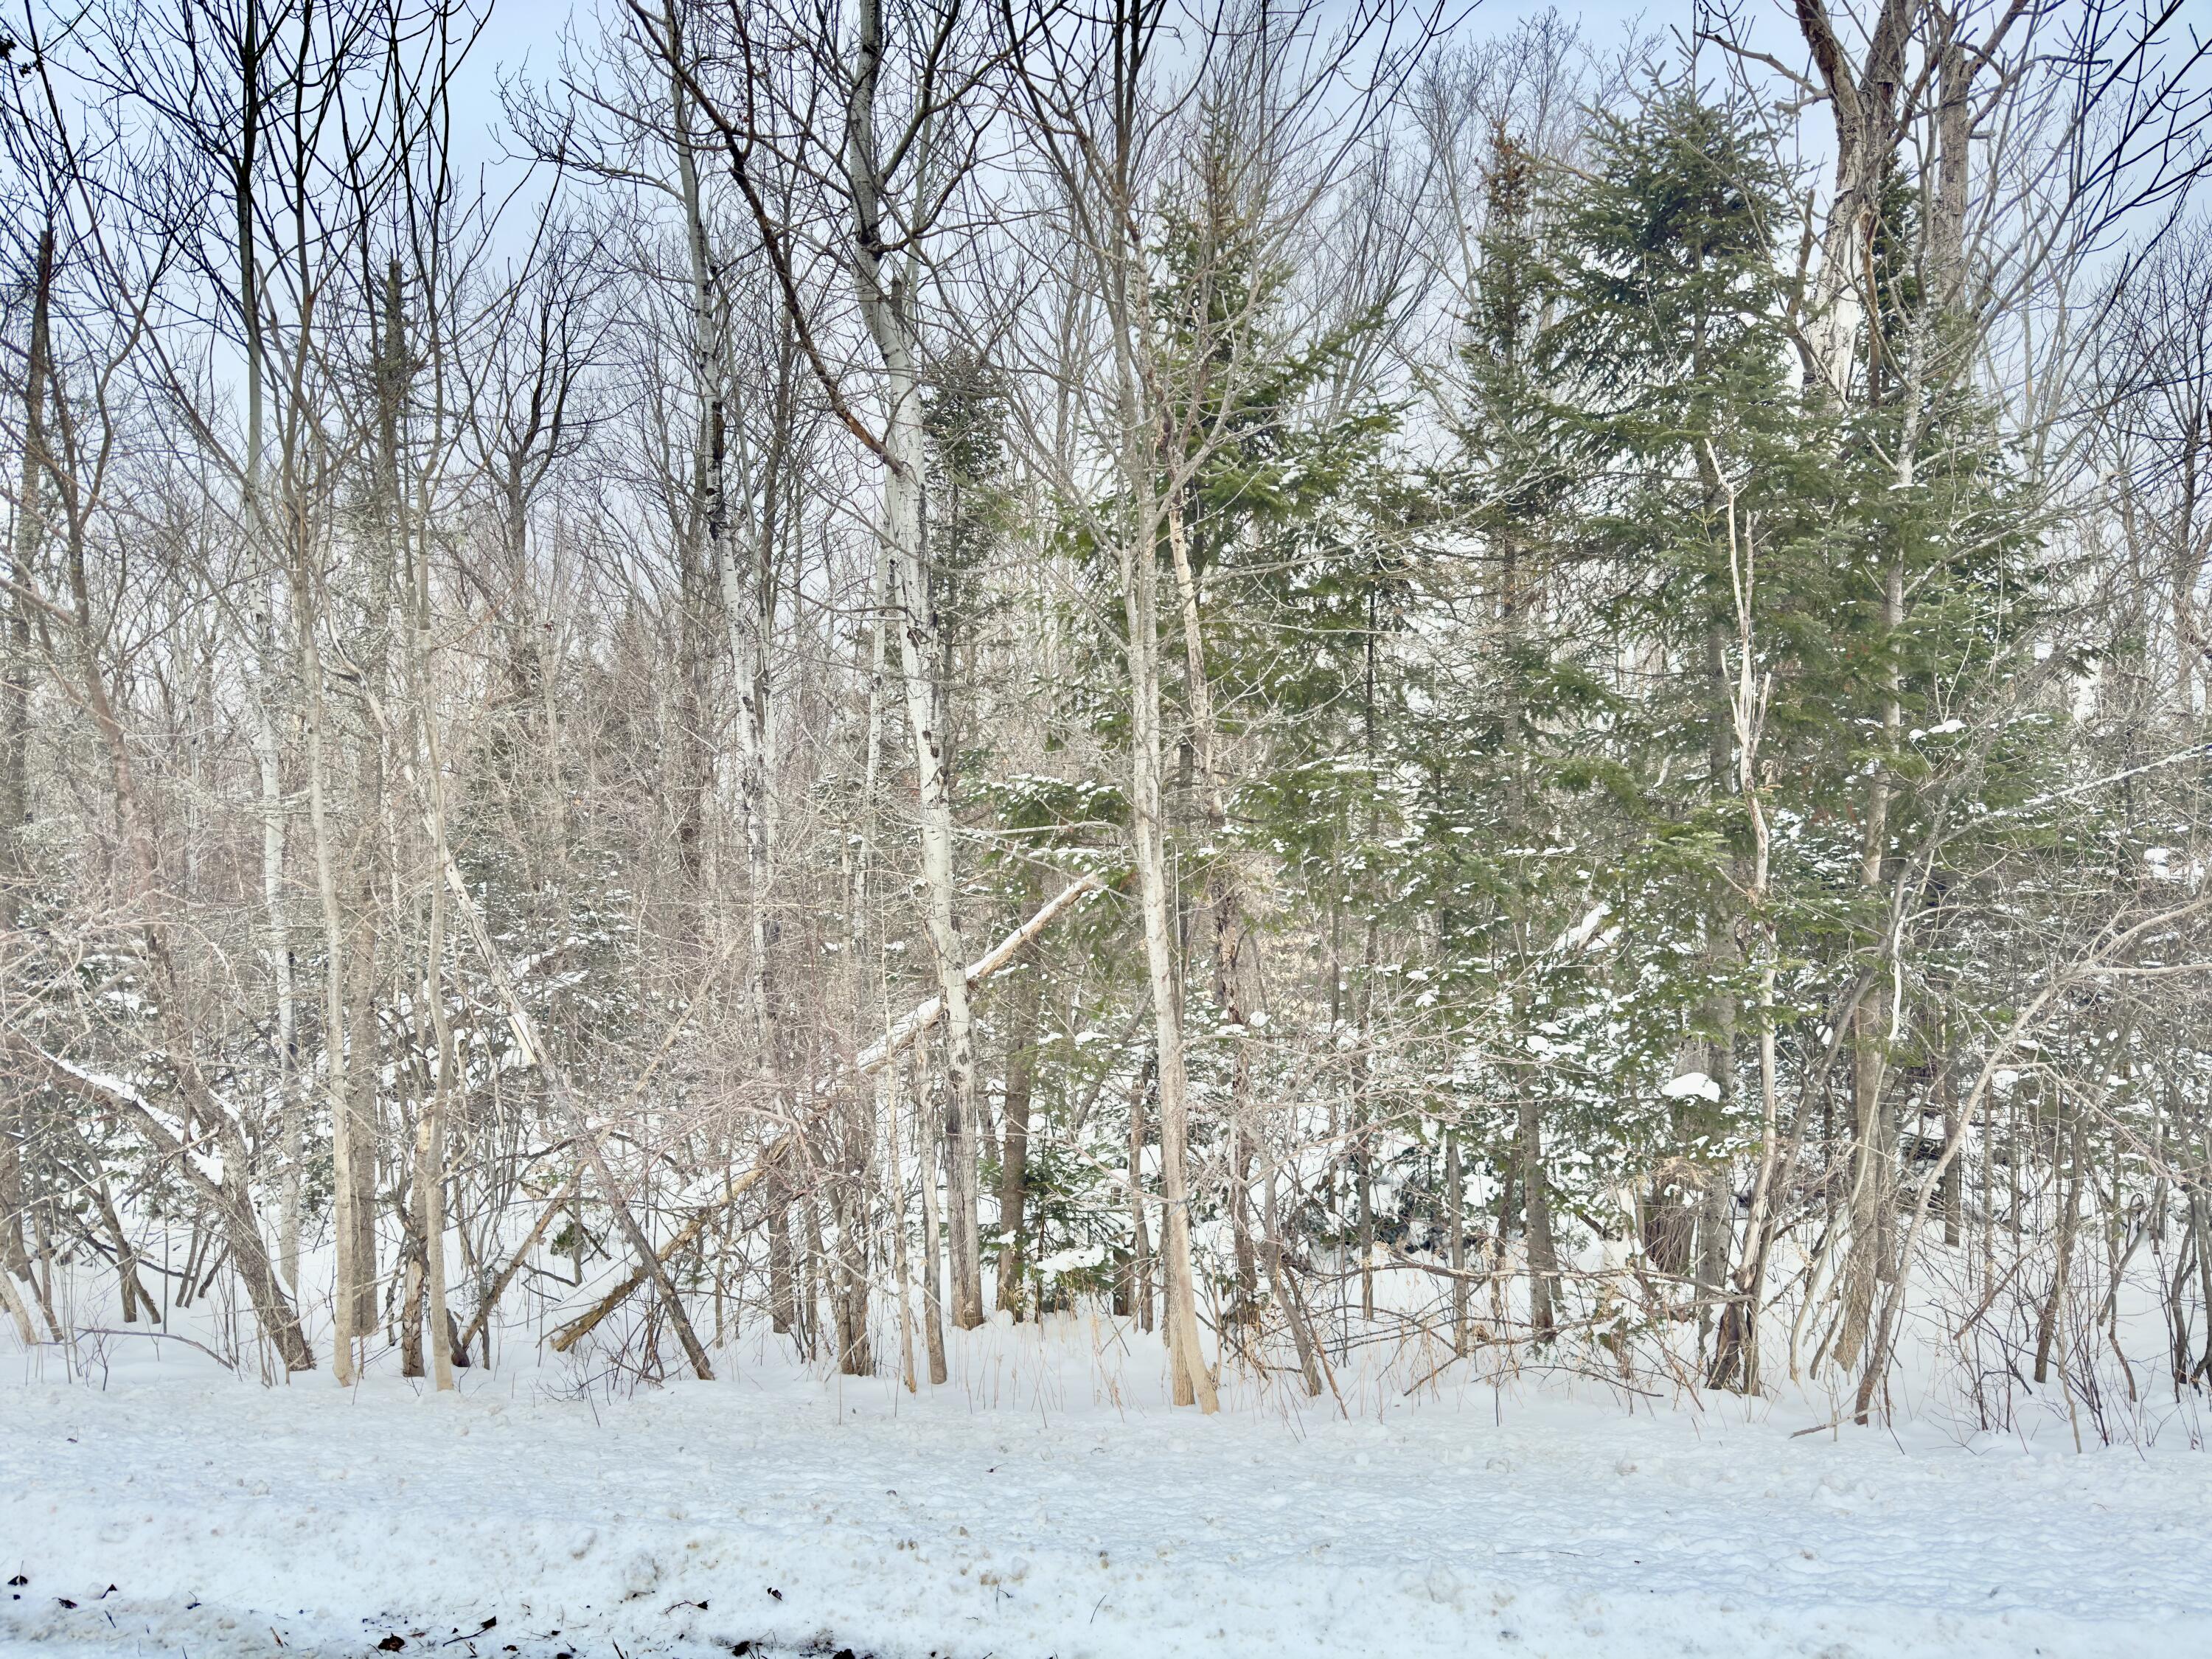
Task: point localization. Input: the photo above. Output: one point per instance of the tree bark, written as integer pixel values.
(2053, 1311)
(1013, 1165)
(344, 1300)
(886, 307)
(928, 1143)
(1193, 1382)
(1536, 1222)
(1455, 1222)
(1140, 1247)
(15, 674)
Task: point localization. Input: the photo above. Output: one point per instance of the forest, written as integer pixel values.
(1394, 693)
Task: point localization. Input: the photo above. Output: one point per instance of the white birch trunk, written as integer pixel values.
(885, 305)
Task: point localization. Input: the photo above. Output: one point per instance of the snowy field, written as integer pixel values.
(1046, 1503)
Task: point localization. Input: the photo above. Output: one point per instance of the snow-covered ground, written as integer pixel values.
(1047, 1503)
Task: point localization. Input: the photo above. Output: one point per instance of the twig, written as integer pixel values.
(163, 1336)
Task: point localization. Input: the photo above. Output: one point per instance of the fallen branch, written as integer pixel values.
(223, 1185)
(534, 1051)
(506, 1275)
(582, 1326)
(159, 1336)
(498, 1287)
(903, 1032)
(900, 1036)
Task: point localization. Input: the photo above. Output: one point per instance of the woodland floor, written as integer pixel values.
(1046, 1503)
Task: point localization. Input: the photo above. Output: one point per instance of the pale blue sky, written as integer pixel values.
(528, 34)
(525, 37)
(531, 29)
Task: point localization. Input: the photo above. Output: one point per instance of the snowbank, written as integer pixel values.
(1047, 1503)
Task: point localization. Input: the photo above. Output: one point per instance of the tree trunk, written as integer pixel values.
(343, 1299)
(291, 1108)
(1193, 1383)
(743, 567)
(1286, 1293)
(131, 1290)
(887, 1089)
(1536, 1223)
(1456, 1223)
(855, 1357)
(885, 299)
(2069, 1222)
(17, 665)
(928, 1145)
(1140, 1247)
(813, 1261)
(1362, 1181)
(782, 1282)
(430, 1131)
(1013, 1167)
(362, 1054)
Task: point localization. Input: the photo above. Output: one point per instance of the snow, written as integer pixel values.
(1583, 932)
(208, 1164)
(1048, 1503)
(1073, 1261)
(1943, 729)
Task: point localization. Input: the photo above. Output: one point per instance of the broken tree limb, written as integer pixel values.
(582, 1326)
(222, 1184)
(588, 1138)
(568, 1187)
(900, 1036)
(506, 1275)
(534, 1049)
(904, 1031)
